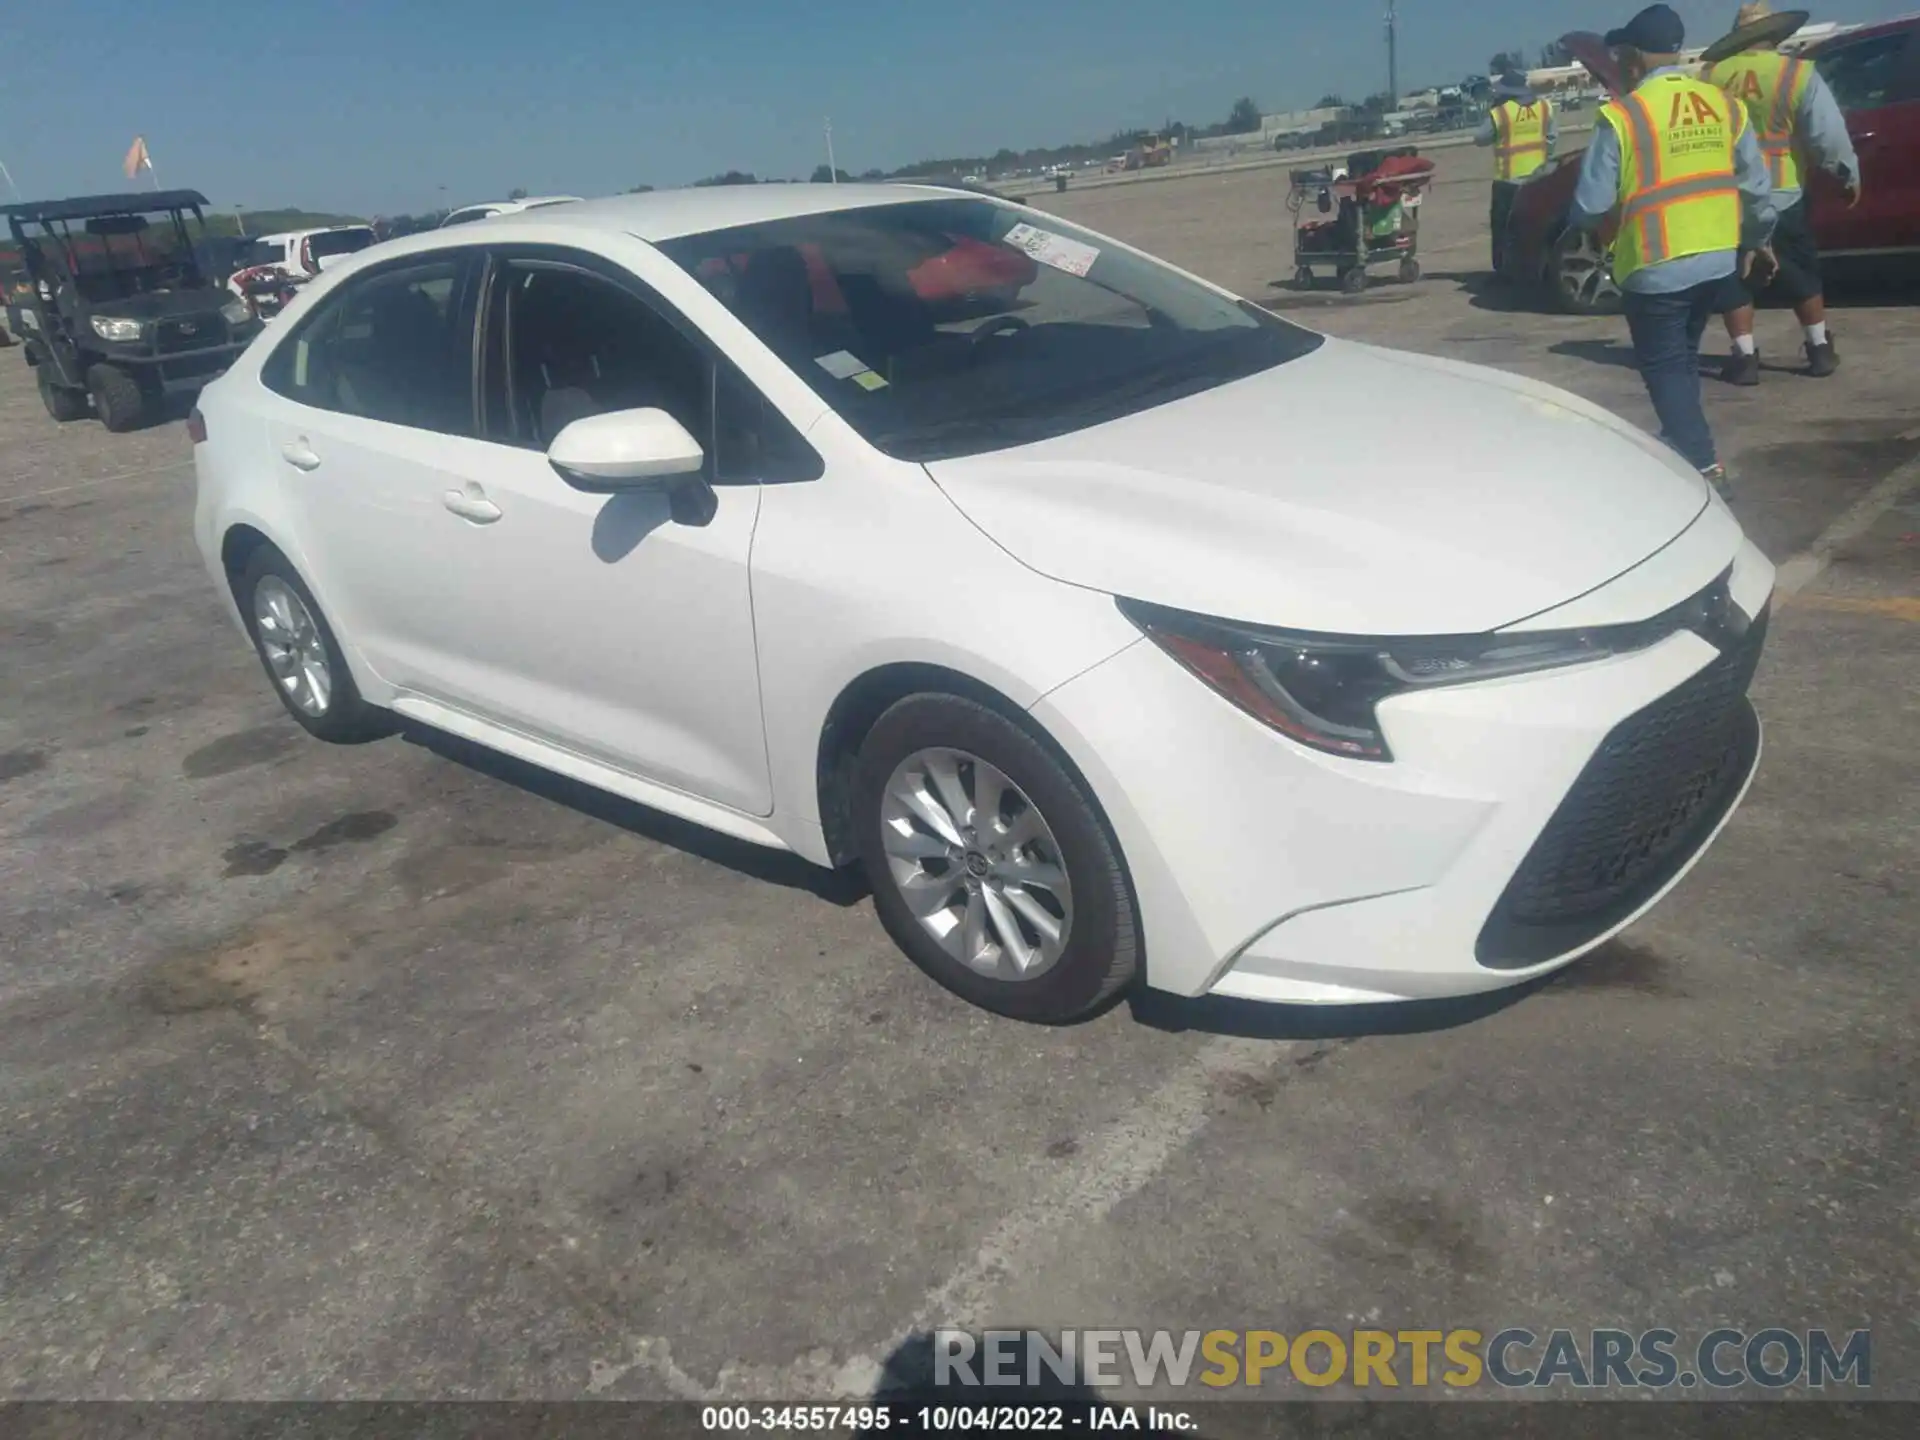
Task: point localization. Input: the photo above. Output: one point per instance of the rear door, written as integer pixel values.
(371, 425)
(1876, 81)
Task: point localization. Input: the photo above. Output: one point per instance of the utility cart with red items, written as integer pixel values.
(1352, 220)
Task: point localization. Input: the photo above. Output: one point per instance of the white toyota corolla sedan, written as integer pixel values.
(1069, 595)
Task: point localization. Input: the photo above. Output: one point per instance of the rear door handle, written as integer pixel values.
(297, 454)
(477, 508)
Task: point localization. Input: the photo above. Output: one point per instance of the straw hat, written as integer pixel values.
(1754, 25)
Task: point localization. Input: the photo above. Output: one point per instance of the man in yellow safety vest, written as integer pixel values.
(1524, 132)
(1680, 163)
(1800, 127)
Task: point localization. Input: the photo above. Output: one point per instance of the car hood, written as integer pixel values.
(1353, 491)
(163, 304)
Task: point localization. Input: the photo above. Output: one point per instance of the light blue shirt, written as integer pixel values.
(1598, 193)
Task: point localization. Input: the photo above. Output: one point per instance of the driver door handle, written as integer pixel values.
(297, 454)
(478, 509)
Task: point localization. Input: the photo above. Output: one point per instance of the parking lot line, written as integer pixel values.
(1893, 607)
(145, 472)
(1803, 569)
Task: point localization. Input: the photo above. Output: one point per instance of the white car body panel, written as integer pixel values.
(694, 668)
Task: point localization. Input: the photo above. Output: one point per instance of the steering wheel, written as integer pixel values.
(999, 325)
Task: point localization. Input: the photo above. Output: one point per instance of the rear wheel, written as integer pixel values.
(1409, 271)
(1354, 281)
(989, 865)
(1582, 275)
(63, 402)
(1303, 278)
(301, 656)
(118, 398)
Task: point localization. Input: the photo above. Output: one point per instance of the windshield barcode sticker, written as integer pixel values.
(1054, 250)
(841, 365)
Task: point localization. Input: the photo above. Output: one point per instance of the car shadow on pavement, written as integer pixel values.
(1601, 352)
(844, 888)
(1486, 291)
(908, 1380)
(1261, 1020)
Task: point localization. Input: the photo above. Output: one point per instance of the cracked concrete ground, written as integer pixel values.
(402, 1071)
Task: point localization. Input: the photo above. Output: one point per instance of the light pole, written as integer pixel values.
(1393, 54)
(239, 220)
(833, 170)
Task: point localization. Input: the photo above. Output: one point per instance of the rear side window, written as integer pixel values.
(1868, 73)
(329, 243)
(396, 346)
(466, 217)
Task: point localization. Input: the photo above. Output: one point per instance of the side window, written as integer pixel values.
(1869, 74)
(577, 345)
(752, 441)
(396, 346)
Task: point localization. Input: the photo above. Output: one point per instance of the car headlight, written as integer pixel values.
(1324, 690)
(236, 312)
(114, 327)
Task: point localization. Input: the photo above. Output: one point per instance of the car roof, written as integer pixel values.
(316, 230)
(669, 214)
(1867, 32)
(83, 207)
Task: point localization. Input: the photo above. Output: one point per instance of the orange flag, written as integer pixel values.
(137, 157)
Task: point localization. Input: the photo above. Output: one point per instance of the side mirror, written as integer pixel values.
(626, 450)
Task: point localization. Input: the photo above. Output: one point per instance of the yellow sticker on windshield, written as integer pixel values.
(870, 380)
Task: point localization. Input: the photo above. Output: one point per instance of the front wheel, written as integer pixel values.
(300, 654)
(118, 398)
(63, 402)
(1354, 281)
(1581, 274)
(1409, 271)
(990, 866)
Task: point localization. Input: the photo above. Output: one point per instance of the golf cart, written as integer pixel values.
(116, 305)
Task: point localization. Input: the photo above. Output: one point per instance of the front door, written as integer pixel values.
(601, 624)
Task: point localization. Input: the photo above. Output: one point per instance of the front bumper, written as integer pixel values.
(1478, 859)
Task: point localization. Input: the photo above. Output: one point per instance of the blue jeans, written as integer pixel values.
(1666, 333)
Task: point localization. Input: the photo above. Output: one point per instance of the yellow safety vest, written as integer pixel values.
(1679, 195)
(1520, 138)
(1771, 87)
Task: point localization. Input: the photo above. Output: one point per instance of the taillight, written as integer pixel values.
(196, 426)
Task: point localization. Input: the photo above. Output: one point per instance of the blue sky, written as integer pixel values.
(373, 106)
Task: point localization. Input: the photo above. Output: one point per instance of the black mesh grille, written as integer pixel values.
(198, 333)
(1645, 803)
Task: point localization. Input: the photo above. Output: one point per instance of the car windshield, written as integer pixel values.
(329, 243)
(260, 252)
(950, 327)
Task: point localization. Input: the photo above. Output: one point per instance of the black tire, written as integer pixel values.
(1582, 284)
(1409, 272)
(62, 401)
(1101, 954)
(1354, 281)
(347, 719)
(118, 398)
(1303, 278)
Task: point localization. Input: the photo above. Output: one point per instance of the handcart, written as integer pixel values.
(1359, 217)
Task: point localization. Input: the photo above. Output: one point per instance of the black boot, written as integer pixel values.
(1822, 360)
(1742, 369)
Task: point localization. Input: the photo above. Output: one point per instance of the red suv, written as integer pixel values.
(1874, 73)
